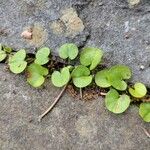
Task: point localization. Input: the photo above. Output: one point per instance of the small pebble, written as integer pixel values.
(142, 67)
(27, 34)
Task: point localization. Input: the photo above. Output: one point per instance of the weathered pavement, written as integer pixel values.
(122, 31)
(72, 124)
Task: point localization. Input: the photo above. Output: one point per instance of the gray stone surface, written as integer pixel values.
(122, 31)
(120, 27)
(72, 124)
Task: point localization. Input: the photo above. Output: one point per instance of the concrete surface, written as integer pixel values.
(72, 124)
(120, 27)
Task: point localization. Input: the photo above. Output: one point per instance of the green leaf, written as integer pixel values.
(139, 90)
(144, 111)
(42, 56)
(122, 71)
(116, 76)
(119, 84)
(91, 57)
(81, 76)
(68, 50)
(101, 78)
(116, 103)
(17, 63)
(61, 78)
(36, 74)
(3, 55)
(7, 49)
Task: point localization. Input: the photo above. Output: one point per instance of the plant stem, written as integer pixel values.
(53, 104)
(81, 94)
(103, 94)
(145, 131)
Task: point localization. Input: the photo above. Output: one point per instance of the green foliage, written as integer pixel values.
(91, 57)
(61, 78)
(42, 56)
(114, 76)
(68, 50)
(139, 90)
(17, 63)
(144, 111)
(81, 76)
(101, 78)
(35, 74)
(3, 54)
(7, 49)
(116, 103)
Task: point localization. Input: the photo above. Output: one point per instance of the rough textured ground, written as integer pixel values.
(72, 125)
(121, 29)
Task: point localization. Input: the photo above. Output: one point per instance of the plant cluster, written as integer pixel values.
(119, 96)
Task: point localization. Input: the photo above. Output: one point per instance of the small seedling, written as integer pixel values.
(3, 54)
(42, 56)
(114, 76)
(17, 63)
(116, 103)
(61, 78)
(7, 49)
(144, 111)
(81, 76)
(91, 57)
(139, 90)
(68, 50)
(35, 74)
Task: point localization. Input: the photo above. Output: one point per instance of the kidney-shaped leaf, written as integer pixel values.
(91, 56)
(144, 111)
(36, 74)
(68, 50)
(81, 76)
(122, 71)
(61, 78)
(139, 90)
(117, 75)
(101, 79)
(116, 103)
(17, 62)
(3, 55)
(42, 56)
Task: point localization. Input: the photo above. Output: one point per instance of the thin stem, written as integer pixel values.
(81, 94)
(53, 104)
(103, 94)
(145, 131)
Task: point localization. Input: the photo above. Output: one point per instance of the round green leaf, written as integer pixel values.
(91, 57)
(101, 79)
(17, 63)
(7, 49)
(116, 76)
(68, 50)
(42, 56)
(81, 76)
(36, 74)
(139, 90)
(3, 55)
(144, 111)
(61, 78)
(116, 103)
(119, 84)
(122, 71)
